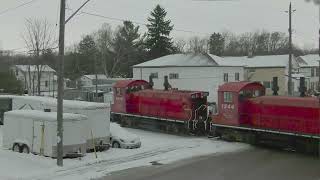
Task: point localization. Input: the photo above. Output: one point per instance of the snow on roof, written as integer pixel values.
(93, 76)
(46, 116)
(70, 104)
(176, 60)
(256, 61)
(33, 68)
(298, 76)
(310, 60)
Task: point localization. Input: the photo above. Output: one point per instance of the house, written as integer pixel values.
(90, 79)
(189, 72)
(264, 68)
(48, 80)
(88, 82)
(309, 67)
(28, 75)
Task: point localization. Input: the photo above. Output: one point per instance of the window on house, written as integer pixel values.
(154, 75)
(227, 97)
(237, 76)
(46, 83)
(312, 85)
(251, 70)
(312, 72)
(225, 77)
(173, 76)
(267, 84)
(317, 72)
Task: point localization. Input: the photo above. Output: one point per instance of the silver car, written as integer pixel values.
(121, 138)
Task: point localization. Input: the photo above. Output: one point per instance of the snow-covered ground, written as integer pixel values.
(158, 147)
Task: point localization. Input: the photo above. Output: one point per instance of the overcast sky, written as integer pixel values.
(200, 17)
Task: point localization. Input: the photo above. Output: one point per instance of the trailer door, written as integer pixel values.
(38, 137)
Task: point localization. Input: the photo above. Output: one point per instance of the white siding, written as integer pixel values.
(191, 78)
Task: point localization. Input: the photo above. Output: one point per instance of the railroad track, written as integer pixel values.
(102, 166)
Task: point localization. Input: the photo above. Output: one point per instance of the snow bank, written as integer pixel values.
(158, 147)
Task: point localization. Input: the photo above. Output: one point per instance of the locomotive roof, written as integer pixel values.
(126, 83)
(288, 101)
(172, 91)
(238, 86)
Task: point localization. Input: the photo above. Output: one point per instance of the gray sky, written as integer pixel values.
(201, 17)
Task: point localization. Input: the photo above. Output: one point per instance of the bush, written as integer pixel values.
(9, 83)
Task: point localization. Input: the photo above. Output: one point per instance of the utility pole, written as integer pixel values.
(319, 56)
(290, 54)
(60, 84)
(290, 90)
(60, 78)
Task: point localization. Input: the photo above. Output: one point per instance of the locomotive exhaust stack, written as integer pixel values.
(302, 88)
(151, 81)
(166, 83)
(275, 87)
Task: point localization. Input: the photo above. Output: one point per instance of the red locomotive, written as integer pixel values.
(244, 113)
(137, 104)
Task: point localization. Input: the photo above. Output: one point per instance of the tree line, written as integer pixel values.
(114, 50)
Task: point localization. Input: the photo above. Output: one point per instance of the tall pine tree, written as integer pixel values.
(158, 41)
(216, 44)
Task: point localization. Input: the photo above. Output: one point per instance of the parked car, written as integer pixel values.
(121, 138)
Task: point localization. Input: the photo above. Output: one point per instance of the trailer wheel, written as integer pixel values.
(25, 149)
(115, 144)
(16, 148)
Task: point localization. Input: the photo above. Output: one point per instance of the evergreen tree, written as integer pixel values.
(128, 48)
(9, 83)
(87, 51)
(216, 44)
(158, 42)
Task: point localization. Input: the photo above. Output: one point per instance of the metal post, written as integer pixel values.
(319, 63)
(290, 54)
(60, 85)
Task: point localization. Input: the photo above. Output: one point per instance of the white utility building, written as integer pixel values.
(189, 72)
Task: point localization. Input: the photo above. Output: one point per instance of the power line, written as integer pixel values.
(135, 22)
(16, 7)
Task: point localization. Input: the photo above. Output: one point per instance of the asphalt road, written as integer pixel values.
(257, 164)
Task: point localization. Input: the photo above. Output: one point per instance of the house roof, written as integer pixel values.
(186, 60)
(256, 61)
(102, 77)
(310, 60)
(33, 68)
(180, 60)
(93, 76)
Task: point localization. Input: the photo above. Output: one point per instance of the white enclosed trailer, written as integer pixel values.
(36, 132)
(98, 126)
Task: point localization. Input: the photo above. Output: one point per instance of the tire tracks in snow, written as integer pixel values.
(104, 165)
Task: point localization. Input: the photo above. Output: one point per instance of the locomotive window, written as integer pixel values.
(227, 97)
(118, 91)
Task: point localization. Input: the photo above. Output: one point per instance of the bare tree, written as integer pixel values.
(198, 45)
(104, 38)
(180, 45)
(38, 38)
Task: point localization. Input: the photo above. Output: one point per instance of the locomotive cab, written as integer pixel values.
(123, 94)
(232, 101)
